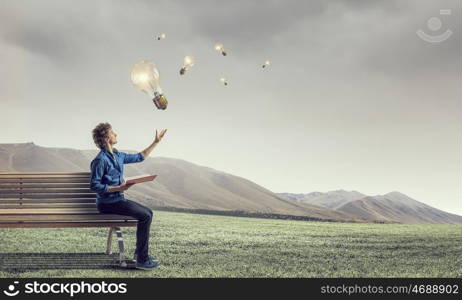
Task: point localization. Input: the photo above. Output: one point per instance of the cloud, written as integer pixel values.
(61, 29)
(58, 30)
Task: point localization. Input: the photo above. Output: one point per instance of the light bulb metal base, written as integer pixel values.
(182, 71)
(160, 101)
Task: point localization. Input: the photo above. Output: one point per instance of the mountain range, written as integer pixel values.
(393, 207)
(183, 185)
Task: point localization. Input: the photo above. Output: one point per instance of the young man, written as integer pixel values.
(107, 180)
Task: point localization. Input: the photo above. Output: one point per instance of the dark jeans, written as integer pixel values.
(139, 212)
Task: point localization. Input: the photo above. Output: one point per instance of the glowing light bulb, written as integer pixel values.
(161, 37)
(267, 63)
(219, 47)
(188, 62)
(145, 77)
(225, 82)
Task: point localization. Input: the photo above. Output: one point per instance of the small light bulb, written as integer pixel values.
(219, 47)
(267, 63)
(188, 62)
(225, 82)
(161, 37)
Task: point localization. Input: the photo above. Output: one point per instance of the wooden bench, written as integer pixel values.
(51, 200)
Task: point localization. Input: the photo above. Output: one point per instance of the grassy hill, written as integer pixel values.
(194, 245)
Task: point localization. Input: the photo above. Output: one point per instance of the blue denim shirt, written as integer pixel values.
(107, 169)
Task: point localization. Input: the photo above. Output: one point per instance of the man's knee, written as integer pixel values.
(149, 211)
(151, 215)
(145, 216)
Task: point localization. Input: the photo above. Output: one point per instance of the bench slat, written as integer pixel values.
(57, 200)
(48, 211)
(58, 217)
(19, 179)
(41, 191)
(48, 205)
(128, 223)
(43, 173)
(47, 196)
(43, 185)
(45, 180)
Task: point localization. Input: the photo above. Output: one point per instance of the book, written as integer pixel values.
(139, 178)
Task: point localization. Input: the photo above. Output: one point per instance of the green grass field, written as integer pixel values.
(193, 245)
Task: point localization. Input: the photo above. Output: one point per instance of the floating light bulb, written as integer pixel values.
(267, 63)
(188, 62)
(161, 37)
(145, 77)
(225, 82)
(219, 47)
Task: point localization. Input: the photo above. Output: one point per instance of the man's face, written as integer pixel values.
(112, 137)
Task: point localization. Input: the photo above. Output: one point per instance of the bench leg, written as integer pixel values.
(109, 241)
(120, 241)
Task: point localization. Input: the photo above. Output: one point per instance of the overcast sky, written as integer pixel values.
(354, 99)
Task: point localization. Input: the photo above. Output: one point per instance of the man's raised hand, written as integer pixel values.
(158, 138)
(160, 135)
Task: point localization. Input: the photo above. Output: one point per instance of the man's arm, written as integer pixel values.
(119, 188)
(97, 172)
(151, 147)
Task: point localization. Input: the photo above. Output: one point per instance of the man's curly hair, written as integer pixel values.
(100, 132)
